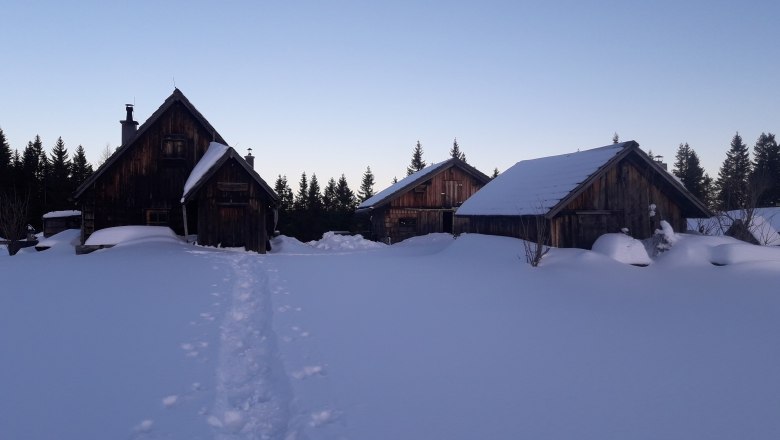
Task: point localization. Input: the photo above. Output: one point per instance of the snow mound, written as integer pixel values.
(67, 239)
(283, 244)
(735, 253)
(124, 234)
(622, 248)
(333, 241)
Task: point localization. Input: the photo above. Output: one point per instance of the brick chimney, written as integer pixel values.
(129, 126)
(250, 159)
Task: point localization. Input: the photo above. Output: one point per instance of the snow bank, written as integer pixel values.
(332, 241)
(735, 253)
(65, 239)
(57, 214)
(622, 248)
(124, 234)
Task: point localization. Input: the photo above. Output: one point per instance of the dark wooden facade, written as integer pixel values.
(617, 196)
(422, 205)
(233, 205)
(143, 181)
(58, 223)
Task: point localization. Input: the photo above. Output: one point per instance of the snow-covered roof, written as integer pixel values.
(415, 179)
(57, 214)
(209, 159)
(215, 156)
(534, 187)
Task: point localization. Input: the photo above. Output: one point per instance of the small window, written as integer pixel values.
(407, 224)
(230, 193)
(174, 146)
(157, 217)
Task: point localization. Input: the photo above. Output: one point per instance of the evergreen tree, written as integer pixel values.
(688, 169)
(495, 173)
(301, 197)
(80, 168)
(6, 165)
(313, 197)
(285, 194)
(710, 192)
(615, 138)
(58, 182)
(732, 184)
(366, 185)
(417, 161)
(30, 180)
(16, 176)
(765, 178)
(329, 195)
(345, 198)
(455, 151)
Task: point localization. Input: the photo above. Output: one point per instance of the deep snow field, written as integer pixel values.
(431, 338)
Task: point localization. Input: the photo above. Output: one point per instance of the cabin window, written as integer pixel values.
(157, 217)
(407, 224)
(174, 146)
(231, 193)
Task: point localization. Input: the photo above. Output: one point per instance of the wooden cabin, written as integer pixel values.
(422, 203)
(235, 206)
(579, 196)
(142, 183)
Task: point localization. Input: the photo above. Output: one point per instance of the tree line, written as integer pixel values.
(742, 183)
(45, 181)
(42, 181)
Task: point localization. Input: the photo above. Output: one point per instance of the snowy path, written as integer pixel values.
(252, 392)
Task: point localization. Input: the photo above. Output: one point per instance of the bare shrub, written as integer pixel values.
(13, 219)
(536, 243)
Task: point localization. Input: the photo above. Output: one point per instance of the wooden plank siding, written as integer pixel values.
(144, 182)
(425, 208)
(233, 210)
(619, 198)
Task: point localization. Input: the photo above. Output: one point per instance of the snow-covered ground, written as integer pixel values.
(433, 337)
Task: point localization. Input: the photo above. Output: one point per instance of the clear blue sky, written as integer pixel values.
(334, 86)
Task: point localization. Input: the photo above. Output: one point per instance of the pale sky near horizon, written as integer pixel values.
(330, 87)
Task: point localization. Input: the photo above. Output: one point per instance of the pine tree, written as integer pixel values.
(285, 194)
(329, 195)
(495, 173)
(733, 189)
(417, 161)
(455, 151)
(345, 198)
(301, 197)
(80, 168)
(58, 182)
(710, 192)
(366, 185)
(688, 169)
(765, 178)
(6, 165)
(313, 197)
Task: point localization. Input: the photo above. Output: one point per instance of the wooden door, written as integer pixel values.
(232, 226)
